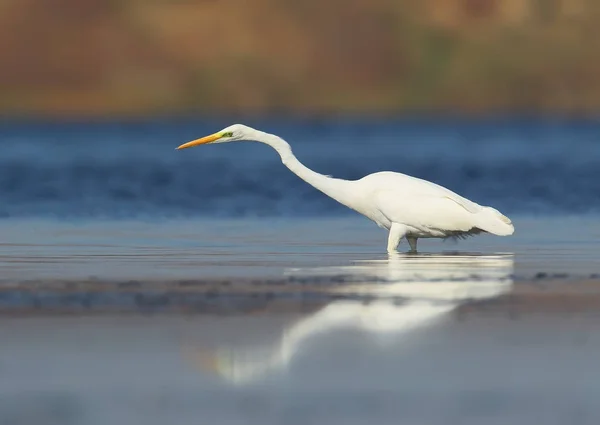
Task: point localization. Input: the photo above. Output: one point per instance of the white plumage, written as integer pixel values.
(408, 207)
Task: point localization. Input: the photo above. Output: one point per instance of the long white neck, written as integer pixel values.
(338, 189)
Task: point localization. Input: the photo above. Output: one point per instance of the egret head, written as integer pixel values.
(232, 133)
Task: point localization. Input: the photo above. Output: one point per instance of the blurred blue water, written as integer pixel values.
(130, 169)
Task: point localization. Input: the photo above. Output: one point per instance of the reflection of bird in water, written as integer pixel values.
(241, 366)
(408, 207)
(427, 284)
(430, 276)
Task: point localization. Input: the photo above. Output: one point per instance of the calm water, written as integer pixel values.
(412, 341)
(261, 248)
(426, 339)
(343, 364)
(131, 169)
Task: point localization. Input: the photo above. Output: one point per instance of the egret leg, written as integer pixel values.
(397, 232)
(412, 241)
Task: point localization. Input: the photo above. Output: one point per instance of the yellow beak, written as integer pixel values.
(202, 141)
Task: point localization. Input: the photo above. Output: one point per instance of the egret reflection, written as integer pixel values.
(408, 294)
(442, 277)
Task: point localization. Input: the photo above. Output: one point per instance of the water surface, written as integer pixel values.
(201, 248)
(131, 169)
(457, 334)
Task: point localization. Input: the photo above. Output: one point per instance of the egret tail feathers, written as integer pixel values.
(493, 221)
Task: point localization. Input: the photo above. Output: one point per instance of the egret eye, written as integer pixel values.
(228, 134)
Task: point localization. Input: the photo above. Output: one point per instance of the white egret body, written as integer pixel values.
(408, 207)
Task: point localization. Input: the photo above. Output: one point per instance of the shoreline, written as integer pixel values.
(252, 296)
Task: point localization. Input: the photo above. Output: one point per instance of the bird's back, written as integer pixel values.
(408, 187)
(427, 208)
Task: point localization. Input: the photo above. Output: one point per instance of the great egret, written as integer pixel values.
(406, 206)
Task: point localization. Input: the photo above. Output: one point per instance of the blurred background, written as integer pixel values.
(495, 99)
(71, 58)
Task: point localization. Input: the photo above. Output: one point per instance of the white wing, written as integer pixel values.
(421, 204)
(412, 186)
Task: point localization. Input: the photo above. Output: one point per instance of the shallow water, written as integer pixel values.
(413, 339)
(345, 362)
(201, 249)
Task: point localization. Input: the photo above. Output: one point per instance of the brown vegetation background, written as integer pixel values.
(137, 57)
